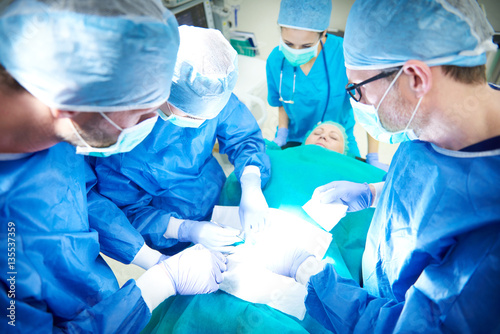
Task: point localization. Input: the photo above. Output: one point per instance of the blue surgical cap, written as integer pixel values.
(387, 33)
(313, 15)
(205, 73)
(342, 131)
(90, 55)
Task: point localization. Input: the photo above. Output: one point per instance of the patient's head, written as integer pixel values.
(329, 135)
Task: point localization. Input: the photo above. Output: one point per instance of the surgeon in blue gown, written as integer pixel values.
(57, 89)
(431, 262)
(168, 185)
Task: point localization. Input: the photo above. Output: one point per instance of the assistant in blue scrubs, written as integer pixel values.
(306, 74)
(311, 92)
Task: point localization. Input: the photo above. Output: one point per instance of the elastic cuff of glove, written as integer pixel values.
(172, 231)
(156, 285)
(371, 157)
(298, 262)
(183, 234)
(310, 267)
(250, 180)
(251, 170)
(368, 193)
(378, 190)
(146, 257)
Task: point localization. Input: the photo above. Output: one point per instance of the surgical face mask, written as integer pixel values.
(367, 116)
(182, 121)
(127, 140)
(297, 57)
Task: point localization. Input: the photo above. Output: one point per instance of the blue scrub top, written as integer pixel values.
(431, 262)
(311, 92)
(173, 173)
(61, 282)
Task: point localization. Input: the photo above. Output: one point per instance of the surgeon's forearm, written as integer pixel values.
(155, 286)
(173, 226)
(282, 118)
(146, 257)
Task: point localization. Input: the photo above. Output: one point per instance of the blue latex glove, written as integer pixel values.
(357, 196)
(253, 204)
(372, 159)
(208, 234)
(196, 270)
(281, 137)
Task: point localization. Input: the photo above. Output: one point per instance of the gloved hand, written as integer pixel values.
(357, 196)
(286, 261)
(281, 137)
(372, 159)
(208, 234)
(192, 271)
(196, 270)
(253, 204)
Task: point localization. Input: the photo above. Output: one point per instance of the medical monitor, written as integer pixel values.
(194, 13)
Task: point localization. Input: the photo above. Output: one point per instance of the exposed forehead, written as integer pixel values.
(357, 76)
(299, 36)
(329, 128)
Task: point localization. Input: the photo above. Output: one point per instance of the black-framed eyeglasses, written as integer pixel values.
(354, 89)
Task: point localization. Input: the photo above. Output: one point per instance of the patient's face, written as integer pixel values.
(327, 136)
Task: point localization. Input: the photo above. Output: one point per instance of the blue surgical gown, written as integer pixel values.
(61, 282)
(173, 172)
(311, 92)
(432, 257)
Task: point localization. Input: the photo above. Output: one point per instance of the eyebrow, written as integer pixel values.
(304, 44)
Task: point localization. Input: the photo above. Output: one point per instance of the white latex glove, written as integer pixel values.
(357, 196)
(195, 270)
(285, 262)
(253, 204)
(209, 234)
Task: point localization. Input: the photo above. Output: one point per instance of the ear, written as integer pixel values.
(420, 77)
(58, 113)
(323, 34)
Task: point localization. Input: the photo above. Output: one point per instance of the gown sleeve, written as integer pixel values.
(460, 294)
(241, 139)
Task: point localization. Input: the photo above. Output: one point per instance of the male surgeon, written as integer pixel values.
(72, 72)
(431, 263)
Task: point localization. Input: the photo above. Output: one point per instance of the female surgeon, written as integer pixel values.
(306, 76)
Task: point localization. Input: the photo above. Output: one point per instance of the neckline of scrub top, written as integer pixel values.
(465, 154)
(318, 58)
(485, 145)
(12, 156)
